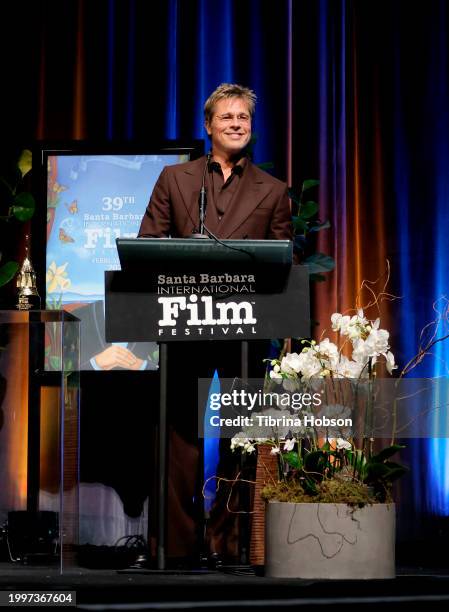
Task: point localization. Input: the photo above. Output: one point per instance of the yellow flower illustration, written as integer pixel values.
(56, 277)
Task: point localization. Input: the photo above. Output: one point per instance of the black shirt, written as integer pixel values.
(222, 193)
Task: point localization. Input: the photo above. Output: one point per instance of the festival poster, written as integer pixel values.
(91, 201)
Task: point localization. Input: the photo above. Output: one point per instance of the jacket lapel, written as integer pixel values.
(189, 185)
(249, 195)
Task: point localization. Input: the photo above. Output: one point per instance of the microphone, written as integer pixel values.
(202, 201)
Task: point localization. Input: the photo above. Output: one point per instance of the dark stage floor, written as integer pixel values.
(413, 588)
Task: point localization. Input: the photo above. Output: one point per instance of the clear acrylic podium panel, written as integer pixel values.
(39, 436)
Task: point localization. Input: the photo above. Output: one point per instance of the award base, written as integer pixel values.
(29, 302)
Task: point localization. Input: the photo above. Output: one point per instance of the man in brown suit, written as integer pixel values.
(242, 202)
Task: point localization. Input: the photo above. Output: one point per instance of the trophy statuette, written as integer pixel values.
(28, 295)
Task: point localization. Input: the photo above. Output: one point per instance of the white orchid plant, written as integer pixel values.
(326, 359)
(336, 467)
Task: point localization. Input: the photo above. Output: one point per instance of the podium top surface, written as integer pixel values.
(134, 252)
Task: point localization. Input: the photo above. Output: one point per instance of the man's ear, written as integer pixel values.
(207, 127)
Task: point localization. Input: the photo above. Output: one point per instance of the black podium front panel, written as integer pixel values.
(254, 303)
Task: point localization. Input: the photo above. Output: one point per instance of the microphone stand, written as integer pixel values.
(202, 202)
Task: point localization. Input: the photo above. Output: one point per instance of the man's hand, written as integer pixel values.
(117, 357)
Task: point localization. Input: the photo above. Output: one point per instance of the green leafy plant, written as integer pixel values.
(335, 471)
(306, 225)
(16, 204)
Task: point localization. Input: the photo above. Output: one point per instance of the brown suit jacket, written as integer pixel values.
(259, 210)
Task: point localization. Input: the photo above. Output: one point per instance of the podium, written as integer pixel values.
(190, 290)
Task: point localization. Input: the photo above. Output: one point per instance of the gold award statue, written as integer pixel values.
(26, 284)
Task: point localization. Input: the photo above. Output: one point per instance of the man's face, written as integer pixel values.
(230, 126)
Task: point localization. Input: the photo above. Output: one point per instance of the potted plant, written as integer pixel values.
(16, 205)
(330, 512)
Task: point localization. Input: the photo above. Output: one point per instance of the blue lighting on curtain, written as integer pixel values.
(215, 57)
(172, 76)
(438, 110)
(324, 148)
(129, 126)
(332, 45)
(111, 62)
(409, 326)
(422, 230)
(402, 187)
(200, 94)
(262, 148)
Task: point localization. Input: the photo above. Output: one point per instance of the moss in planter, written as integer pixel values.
(335, 490)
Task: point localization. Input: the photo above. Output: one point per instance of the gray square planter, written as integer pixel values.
(330, 541)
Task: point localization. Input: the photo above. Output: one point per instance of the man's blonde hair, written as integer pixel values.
(229, 90)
